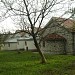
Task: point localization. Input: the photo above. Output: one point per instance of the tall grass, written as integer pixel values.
(28, 63)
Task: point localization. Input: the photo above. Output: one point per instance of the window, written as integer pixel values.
(8, 44)
(25, 43)
(4, 44)
(18, 42)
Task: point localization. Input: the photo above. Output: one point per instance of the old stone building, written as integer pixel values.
(58, 36)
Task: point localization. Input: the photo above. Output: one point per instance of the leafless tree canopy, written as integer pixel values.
(29, 12)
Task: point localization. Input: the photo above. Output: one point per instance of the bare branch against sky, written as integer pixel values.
(11, 8)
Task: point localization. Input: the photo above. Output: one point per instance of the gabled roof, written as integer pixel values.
(67, 24)
(13, 40)
(19, 33)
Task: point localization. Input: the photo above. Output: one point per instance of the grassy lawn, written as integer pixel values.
(28, 63)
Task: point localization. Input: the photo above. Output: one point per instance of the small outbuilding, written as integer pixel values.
(58, 36)
(19, 41)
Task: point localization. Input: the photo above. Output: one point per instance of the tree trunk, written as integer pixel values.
(43, 59)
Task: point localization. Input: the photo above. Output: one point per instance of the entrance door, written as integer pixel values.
(56, 47)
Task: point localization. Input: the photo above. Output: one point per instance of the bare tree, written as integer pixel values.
(72, 11)
(32, 12)
(3, 37)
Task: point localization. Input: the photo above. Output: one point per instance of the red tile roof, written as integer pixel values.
(54, 37)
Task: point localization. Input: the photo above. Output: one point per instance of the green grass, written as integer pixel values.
(28, 63)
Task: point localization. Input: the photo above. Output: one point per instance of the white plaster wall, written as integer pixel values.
(13, 46)
(31, 45)
(20, 45)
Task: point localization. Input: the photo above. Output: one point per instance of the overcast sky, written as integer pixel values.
(9, 25)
